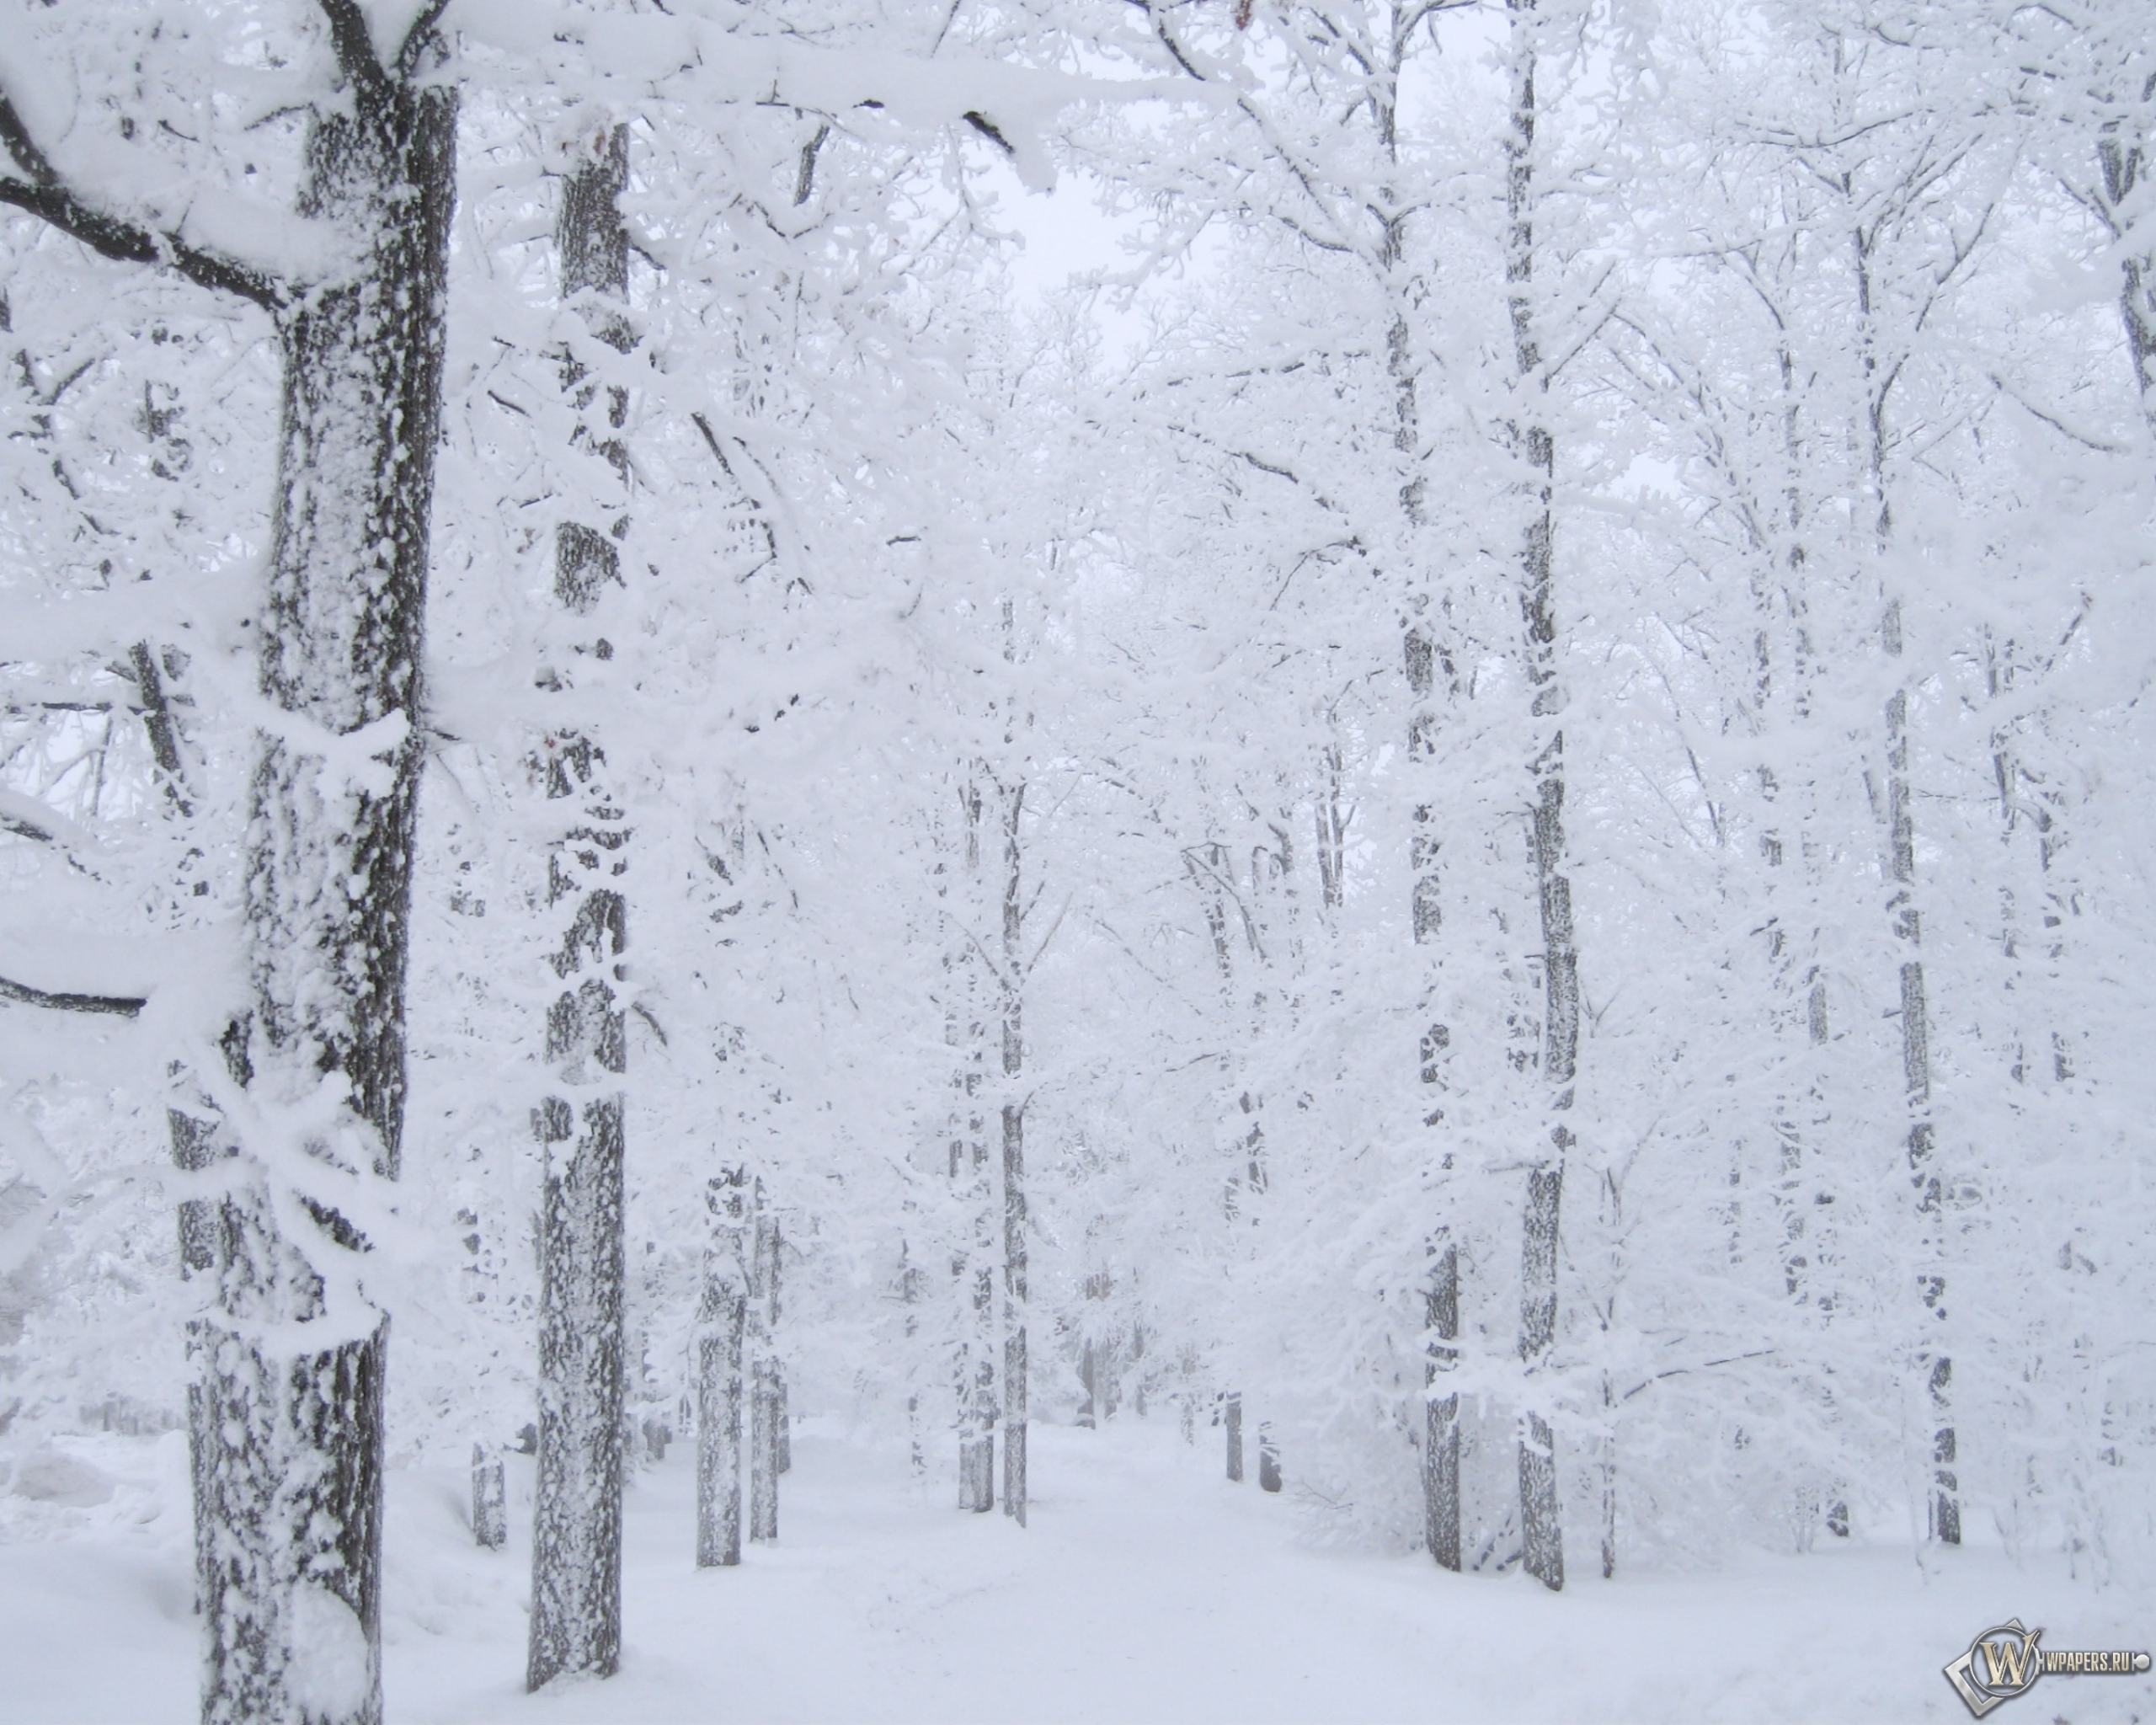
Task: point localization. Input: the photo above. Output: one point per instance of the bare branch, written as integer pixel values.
(158, 720)
(804, 183)
(417, 38)
(2058, 424)
(43, 193)
(117, 1005)
(354, 46)
(987, 128)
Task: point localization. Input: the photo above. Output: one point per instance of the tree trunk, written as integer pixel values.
(971, 1264)
(1441, 1415)
(1232, 1418)
(1932, 1364)
(1542, 1548)
(1268, 1460)
(2123, 166)
(722, 1318)
(286, 1434)
(765, 1406)
(1541, 1534)
(1014, 1167)
(576, 1581)
(489, 1498)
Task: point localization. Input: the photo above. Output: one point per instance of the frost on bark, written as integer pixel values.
(576, 1590)
(1934, 1367)
(489, 1498)
(1542, 1538)
(1441, 1414)
(2123, 166)
(766, 1393)
(1232, 1418)
(971, 1266)
(1014, 1166)
(722, 1318)
(1783, 671)
(285, 1408)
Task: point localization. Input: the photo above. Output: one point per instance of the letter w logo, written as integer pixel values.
(2008, 1663)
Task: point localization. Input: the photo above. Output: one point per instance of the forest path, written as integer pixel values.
(1146, 1589)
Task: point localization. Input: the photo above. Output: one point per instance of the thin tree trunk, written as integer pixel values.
(1014, 1370)
(1269, 1459)
(1232, 1418)
(909, 1292)
(765, 1406)
(971, 1266)
(785, 1429)
(1441, 1415)
(576, 1579)
(1542, 1535)
(1933, 1364)
(489, 1498)
(721, 1319)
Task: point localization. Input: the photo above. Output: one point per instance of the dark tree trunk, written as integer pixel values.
(722, 1320)
(1441, 1416)
(576, 1561)
(766, 1405)
(1268, 1460)
(1542, 1537)
(1542, 1548)
(576, 1574)
(286, 1436)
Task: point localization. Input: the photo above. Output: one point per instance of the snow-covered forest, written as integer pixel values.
(1379, 765)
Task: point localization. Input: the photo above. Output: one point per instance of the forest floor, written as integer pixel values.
(1144, 1589)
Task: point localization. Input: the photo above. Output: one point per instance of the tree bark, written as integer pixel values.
(1441, 1415)
(286, 1406)
(721, 1319)
(1934, 1365)
(1541, 1534)
(576, 1583)
(1232, 1418)
(2123, 166)
(1014, 1379)
(765, 1403)
(971, 1265)
(1542, 1549)
(489, 1498)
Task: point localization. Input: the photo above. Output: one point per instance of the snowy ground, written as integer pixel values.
(1146, 1589)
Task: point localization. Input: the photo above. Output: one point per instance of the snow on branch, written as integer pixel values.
(117, 1005)
(29, 818)
(42, 193)
(378, 40)
(1010, 106)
